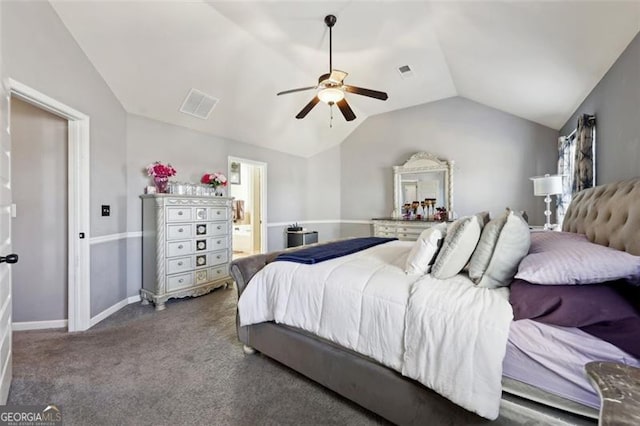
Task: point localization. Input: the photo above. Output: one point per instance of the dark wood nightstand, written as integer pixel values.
(619, 389)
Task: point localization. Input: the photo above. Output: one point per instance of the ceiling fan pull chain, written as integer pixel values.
(331, 116)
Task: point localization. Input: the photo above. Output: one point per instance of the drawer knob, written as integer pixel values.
(181, 230)
(180, 213)
(219, 227)
(218, 257)
(180, 247)
(179, 263)
(218, 212)
(219, 242)
(218, 271)
(181, 280)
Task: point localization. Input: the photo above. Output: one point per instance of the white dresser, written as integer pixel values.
(407, 230)
(186, 246)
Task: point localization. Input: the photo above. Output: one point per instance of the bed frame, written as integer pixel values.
(607, 214)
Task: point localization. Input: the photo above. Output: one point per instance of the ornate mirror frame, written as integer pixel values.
(422, 162)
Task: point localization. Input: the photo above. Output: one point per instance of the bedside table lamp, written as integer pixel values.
(546, 186)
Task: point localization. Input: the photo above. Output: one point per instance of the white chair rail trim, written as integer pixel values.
(320, 221)
(114, 237)
(137, 234)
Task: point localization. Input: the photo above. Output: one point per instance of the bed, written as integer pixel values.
(608, 215)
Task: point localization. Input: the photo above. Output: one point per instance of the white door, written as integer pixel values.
(6, 258)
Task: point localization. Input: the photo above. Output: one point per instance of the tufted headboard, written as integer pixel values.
(608, 215)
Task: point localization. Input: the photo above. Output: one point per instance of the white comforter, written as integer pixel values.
(447, 334)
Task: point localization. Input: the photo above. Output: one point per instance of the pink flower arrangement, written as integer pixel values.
(214, 179)
(158, 169)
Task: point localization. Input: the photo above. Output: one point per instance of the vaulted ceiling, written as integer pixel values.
(536, 60)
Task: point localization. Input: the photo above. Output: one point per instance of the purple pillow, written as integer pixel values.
(569, 305)
(562, 258)
(605, 311)
(624, 334)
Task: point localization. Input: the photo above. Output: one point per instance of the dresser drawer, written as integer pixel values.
(201, 213)
(218, 213)
(211, 274)
(179, 248)
(178, 232)
(179, 214)
(202, 260)
(209, 244)
(180, 264)
(202, 245)
(385, 234)
(387, 229)
(218, 272)
(218, 243)
(411, 229)
(218, 258)
(219, 228)
(176, 282)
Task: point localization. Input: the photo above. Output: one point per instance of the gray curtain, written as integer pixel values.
(576, 162)
(584, 169)
(566, 156)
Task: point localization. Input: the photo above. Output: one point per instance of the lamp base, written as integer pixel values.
(547, 213)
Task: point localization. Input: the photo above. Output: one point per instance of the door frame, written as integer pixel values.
(79, 296)
(263, 195)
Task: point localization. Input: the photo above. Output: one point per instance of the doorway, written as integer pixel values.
(247, 184)
(39, 171)
(78, 190)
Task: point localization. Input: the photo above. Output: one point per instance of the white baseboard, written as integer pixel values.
(38, 325)
(43, 325)
(113, 309)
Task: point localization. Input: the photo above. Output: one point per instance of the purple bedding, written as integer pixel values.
(552, 358)
(607, 311)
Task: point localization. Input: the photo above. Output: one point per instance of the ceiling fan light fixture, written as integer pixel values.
(330, 95)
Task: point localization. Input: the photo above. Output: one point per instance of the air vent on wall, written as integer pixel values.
(198, 104)
(405, 71)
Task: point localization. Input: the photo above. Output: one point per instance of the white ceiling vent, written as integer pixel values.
(405, 71)
(198, 104)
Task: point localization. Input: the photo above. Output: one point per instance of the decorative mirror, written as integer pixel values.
(423, 177)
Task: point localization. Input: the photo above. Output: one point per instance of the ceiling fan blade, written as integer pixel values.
(308, 107)
(296, 90)
(338, 76)
(346, 110)
(366, 92)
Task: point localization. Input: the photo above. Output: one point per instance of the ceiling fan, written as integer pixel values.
(331, 87)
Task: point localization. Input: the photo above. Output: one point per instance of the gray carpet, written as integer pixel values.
(183, 365)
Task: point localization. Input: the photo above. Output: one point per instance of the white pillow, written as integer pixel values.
(458, 246)
(424, 251)
(503, 244)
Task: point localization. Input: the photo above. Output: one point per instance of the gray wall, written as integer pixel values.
(39, 230)
(616, 103)
(38, 51)
(495, 153)
(323, 185)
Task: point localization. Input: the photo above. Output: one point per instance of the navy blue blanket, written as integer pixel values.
(329, 251)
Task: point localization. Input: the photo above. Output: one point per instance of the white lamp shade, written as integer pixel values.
(547, 185)
(330, 95)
